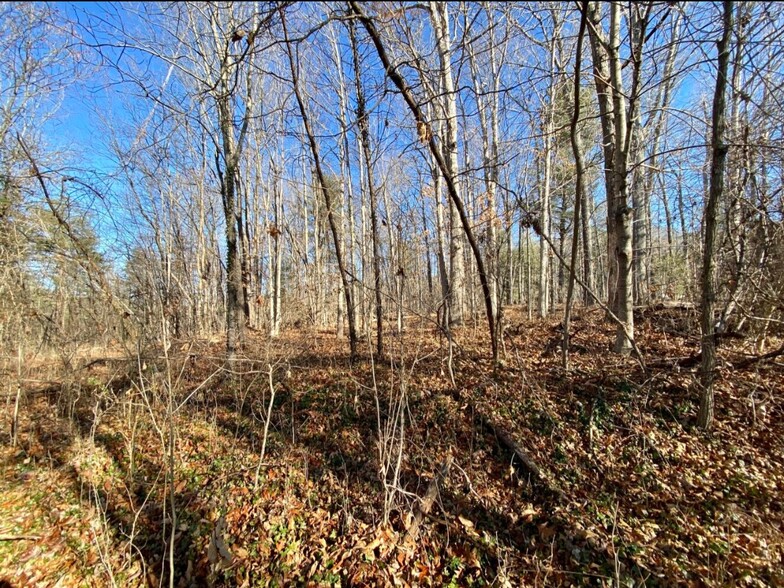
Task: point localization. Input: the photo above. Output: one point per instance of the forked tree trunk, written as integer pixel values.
(618, 114)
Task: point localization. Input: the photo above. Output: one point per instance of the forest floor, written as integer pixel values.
(621, 489)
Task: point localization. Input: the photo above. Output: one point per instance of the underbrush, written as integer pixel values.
(138, 472)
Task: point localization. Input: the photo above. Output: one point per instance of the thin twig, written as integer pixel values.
(19, 537)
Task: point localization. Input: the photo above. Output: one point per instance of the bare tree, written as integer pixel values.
(618, 111)
(364, 142)
(426, 133)
(718, 161)
(323, 186)
(579, 197)
(439, 19)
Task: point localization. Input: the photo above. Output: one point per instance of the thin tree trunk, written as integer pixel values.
(585, 215)
(364, 142)
(366, 239)
(510, 267)
(318, 273)
(440, 239)
(642, 246)
(275, 252)
(346, 185)
(579, 159)
(339, 331)
(243, 227)
(450, 180)
(488, 116)
(641, 211)
(277, 287)
(718, 162)
(352, 333)
(393, 275)
(428, 255)
(545, 292)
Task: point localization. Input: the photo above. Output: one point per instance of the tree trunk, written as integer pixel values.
(339, 331)
(604, 94)
(607, 59)
(275, 252)
(364, 142)
(333, 225)
(718, 162)
(449, 179)
(488, 117)
(585, 214)
(457, 279)
(234, 298)
(428, 256)
(440, 239)
(642, 224)
(622, 213)
(579, 196)
(243, 229)
(545, 293)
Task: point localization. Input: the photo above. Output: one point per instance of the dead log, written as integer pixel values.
(672, 305)
(686, 362)
(507, 440)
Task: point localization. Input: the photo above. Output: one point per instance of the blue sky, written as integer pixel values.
(78, 126)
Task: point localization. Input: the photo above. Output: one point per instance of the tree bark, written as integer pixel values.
(457, 279)
(364, 142)
(579, 159)
(545, 292)
(622, 213)
(604, 94)
(234, 292)
(620, 113)
(718, 162)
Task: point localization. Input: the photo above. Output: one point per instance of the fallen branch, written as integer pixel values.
(19, 537)
(764, 357)
(694, 360)
(688, 361)
(667, 305)
(506, 439)
(430, 496)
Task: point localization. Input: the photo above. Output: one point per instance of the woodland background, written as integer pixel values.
(391, 293)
